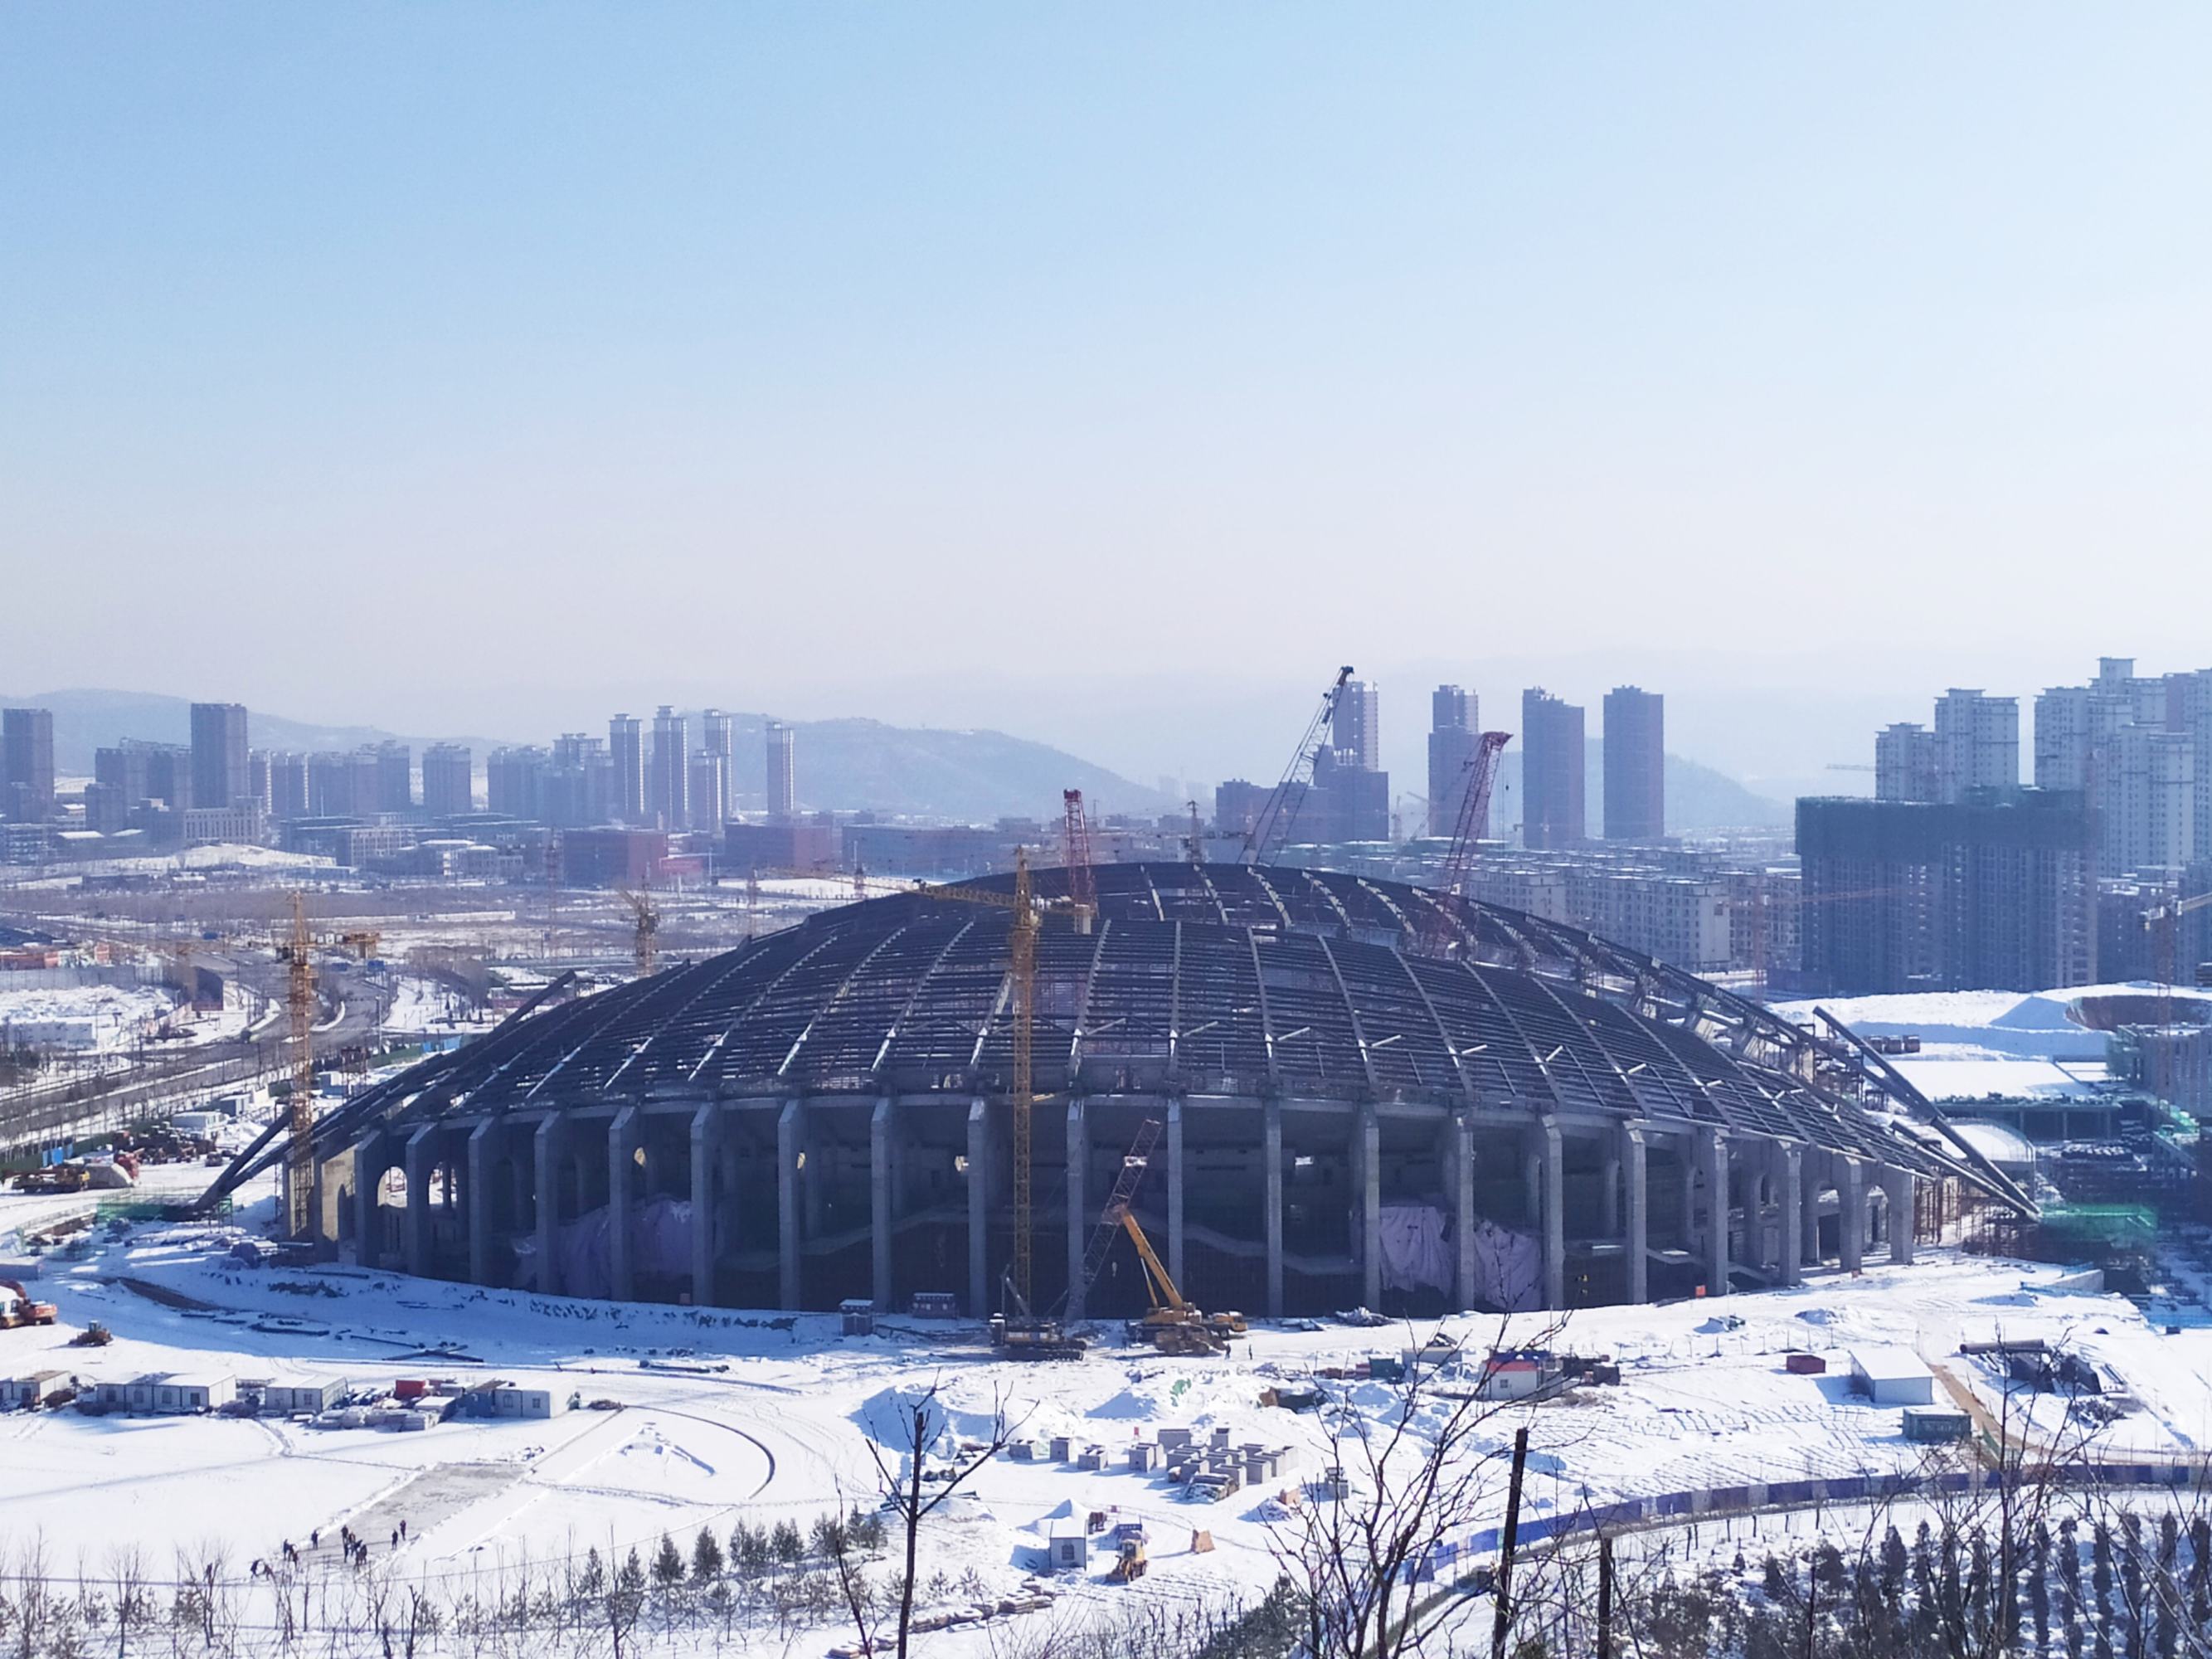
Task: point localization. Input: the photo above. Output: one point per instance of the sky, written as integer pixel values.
(1105, 374)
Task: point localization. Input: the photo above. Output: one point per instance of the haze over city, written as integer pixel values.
(1793, 360)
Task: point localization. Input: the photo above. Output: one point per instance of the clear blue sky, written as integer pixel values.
(439, 365)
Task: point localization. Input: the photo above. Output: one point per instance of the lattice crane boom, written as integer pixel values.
(1270, 830)
(1481, 775)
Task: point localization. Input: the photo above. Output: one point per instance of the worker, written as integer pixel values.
(315, 1538)
(403, 1526)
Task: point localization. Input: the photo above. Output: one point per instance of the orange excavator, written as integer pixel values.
(17, 1307)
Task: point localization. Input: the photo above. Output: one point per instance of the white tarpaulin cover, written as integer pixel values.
(660, 1243)
(1509, 1268)
(1414, 1255)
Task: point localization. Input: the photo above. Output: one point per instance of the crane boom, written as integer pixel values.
(1482, 774)
(1270, 830)
(1082, 885)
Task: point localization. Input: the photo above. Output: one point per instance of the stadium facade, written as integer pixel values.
(1364, 1102)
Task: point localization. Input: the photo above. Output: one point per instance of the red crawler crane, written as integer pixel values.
(1481, 772)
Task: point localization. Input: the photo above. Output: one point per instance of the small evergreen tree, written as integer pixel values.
(667, 1563)
(785, 1544)
(706, 1557)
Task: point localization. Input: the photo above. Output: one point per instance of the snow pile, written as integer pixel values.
(83, 1017)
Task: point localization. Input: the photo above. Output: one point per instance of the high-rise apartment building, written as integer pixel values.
(1905, 765)
(1635, 764)
(449, 789)
(1977, 743)
(668, 777)
(626, 749)
(395, 778)
(709, 786)
(1454, 721)
(219, 754)
(715, 737)
(2140, 747)
(26, 764)
(514, 781)
(782, 775)
(288, 784)
(1356, 728)
(1552, 814)
(343, 785)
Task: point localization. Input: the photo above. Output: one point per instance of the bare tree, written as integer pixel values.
(1405, 1482)
(922, 1420)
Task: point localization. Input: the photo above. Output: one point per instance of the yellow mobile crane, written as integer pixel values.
(1173, 1325)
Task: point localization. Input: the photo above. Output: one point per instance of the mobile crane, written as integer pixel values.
(1173, 1325)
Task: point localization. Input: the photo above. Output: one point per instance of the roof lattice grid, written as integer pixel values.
(1209, 979)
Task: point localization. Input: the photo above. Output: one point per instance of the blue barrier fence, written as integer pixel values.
(1444, 1558)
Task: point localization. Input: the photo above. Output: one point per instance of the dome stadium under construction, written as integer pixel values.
(1370, 1093)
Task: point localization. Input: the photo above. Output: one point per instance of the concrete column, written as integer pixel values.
(421, 1172)
(1688, 1148)
(1636, 1238)
(622, 1167)
(1371, 1205)
(1271, 1142)
(1850, 1220)
(1175, 1192)
(1713, 1154)
(1808, 1208)
(979, 1208)
(547, 1146)
(1608, 1194)
(1551, 1159)
(367, 1177)
(880, 1218)
(814, 1178)
(707, 1138)
(480, 1151)
(1901, 1185)
(789, 1145)
(1462, 1145)
(1789, 1178)
(1079, 1207)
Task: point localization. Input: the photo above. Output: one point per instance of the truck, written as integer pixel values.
(17, 1307)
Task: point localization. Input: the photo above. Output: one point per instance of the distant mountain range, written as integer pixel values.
(912, 771)
(908, 771)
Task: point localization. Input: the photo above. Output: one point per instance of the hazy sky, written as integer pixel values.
(1103, 373)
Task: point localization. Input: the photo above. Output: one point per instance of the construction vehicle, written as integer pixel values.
(94, 1335)
(1130, 1565)
(17, 1307)
(1173, 1325)
(54, 1179)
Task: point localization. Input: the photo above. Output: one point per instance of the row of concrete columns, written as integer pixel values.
(1794, 1174)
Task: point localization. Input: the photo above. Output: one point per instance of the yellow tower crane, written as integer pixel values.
(1021, 959)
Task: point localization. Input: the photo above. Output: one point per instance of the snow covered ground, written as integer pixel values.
(424, 1007)
(90, 1019)
(726, 1415)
